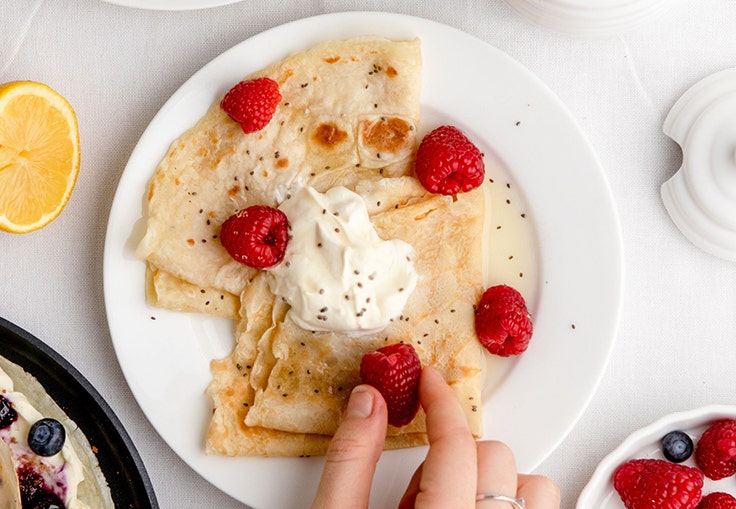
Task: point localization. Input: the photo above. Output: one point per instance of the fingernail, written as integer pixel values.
(360, 404)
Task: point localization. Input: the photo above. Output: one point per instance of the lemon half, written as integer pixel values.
(39, 155)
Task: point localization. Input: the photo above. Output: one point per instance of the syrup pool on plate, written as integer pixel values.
(509, 241)
(509, 249)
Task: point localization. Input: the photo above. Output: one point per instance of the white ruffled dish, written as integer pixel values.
(599, 18)
(701, 196)
(645, 443)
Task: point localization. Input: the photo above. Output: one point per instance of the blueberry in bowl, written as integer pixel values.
(677, 446)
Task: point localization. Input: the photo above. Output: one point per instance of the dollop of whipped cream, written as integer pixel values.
(337, 273)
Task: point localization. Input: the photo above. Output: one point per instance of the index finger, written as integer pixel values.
(449, 474)
(353, 452)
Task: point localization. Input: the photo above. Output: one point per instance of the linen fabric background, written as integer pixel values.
(117, 66)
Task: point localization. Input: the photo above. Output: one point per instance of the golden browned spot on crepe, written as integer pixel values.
(386, 134)
(328, 135)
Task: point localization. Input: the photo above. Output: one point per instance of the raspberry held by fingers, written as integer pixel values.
(394, 370)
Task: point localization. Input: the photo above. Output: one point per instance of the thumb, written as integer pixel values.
(353, 453)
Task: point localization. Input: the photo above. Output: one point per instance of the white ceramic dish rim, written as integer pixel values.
(598, 8)
(171, 5)
(595, 21)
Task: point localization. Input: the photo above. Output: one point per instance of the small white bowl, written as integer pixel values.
(701, 197)
(645, 443)
(597, 18)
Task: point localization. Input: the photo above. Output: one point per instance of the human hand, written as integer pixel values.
(353, 452)
(455, 470)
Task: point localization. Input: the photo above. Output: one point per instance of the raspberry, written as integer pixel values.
(715, 453)
(448, 163)
(256, 236)
(502, 322)
(658, 484)
(252, 103)
(717, 500)
(394, 370)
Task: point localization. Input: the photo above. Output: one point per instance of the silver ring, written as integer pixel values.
(518, 503)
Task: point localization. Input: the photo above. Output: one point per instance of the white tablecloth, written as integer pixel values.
(117, 66)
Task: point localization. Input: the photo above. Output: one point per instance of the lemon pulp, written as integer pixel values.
(39, 155)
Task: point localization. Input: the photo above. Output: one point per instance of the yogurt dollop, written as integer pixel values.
(337, 273)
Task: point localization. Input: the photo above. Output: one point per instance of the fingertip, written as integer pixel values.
(433, 374)
(435, 391)
(365, 401)
(502, 453)
(361, 403)
(430, 381)
(363, 426)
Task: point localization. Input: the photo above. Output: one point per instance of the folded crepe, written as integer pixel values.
(348, 118)
(349, 109)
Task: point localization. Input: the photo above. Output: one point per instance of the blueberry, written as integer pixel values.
(46, 437)
(8, 414)
(677, 446)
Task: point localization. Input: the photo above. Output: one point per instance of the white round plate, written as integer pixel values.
(531, 402)
(171, 5)
(645, 443)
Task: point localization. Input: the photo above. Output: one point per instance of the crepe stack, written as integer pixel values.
(348, 117)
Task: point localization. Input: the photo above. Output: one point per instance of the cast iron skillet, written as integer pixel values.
(118, 458)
